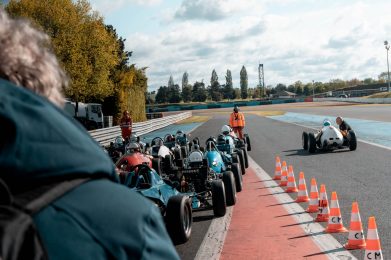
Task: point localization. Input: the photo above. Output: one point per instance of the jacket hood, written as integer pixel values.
(38, 141)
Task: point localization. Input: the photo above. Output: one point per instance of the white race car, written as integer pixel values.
(329, 138)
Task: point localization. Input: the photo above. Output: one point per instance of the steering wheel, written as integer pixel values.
(153, 142)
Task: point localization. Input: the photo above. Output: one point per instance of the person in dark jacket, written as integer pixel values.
(99, 219)
(344, 127)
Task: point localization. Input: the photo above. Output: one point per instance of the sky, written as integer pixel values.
(295, 39)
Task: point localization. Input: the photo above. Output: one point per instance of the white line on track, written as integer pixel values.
(212, 245)
(327, 243)
(360, 140)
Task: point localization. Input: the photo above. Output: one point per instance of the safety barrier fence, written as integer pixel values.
(106, 135)
(181, 107)
(357, 100)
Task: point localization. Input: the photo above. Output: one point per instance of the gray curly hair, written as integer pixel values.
(26, 60)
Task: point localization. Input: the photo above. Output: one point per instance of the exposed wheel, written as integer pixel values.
(168, 163)
(230, 189)
(352, 140)
(311, 143)
(179, 218)
(218, 198)
(247, 138)
(157, 165)
(241, 160)
(304, 139)
(235, 158)
(184, 152)
(202, 149)
(245, 158)
(238, 176)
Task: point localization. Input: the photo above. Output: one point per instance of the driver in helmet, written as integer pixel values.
(133, 148)
(326, 123)
(227, 130)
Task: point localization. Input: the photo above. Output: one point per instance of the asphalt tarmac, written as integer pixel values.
(361, 175)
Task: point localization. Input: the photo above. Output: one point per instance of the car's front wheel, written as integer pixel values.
(218, 198)
(230, 189)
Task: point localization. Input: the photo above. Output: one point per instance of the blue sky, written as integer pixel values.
(295, 39)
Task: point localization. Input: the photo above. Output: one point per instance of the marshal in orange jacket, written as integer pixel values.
(237, 120)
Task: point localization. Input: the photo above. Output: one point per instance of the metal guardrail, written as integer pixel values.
(106, 135)
(357, 100)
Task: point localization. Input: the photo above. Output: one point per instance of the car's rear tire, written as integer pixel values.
(241, 160)
(230, 189)
(238, 176)
(178, 153)
(157, 165)
(168, 163)
(218, 198)
(304, 139)
(352, 140)
(245, 158)
(179, 218)
(248, 142)
(311, 143)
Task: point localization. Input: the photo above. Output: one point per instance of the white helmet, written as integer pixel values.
(225, 130)
(133, 147)
(326, 122)
(134, 138)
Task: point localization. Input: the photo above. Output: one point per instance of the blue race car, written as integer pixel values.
(199, 181)
(176, 208)
(221, 162)
(226, 145)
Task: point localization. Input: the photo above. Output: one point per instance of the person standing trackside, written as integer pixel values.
(126, 126)
(237, 122)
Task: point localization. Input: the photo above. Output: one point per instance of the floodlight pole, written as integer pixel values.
(388, 64)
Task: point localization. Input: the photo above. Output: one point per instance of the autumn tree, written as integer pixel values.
(80, 40)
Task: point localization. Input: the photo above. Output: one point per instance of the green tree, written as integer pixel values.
(383, 77)
(228, 88)
(291, 88)
(280, 87)
(298, 87)
(185, 80)
(215, 88)
(307, 89)
(170, 82)
(161, 95)
(174, 94)
(187, 93)
(199, 92)
(369, 81)
(243, 83)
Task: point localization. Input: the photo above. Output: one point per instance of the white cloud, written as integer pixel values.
(342, 40)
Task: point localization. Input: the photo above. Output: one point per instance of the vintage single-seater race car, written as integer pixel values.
(175, 207)
(329, 138)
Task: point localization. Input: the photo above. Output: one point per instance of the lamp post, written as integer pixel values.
(388, 65)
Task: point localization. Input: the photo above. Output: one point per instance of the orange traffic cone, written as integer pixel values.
(373, 249)
(314, 198)
(356, 238)
(277, 172)
(284, 175)
(335, 224)
(302, 196)
(324, 211)
(291, 186)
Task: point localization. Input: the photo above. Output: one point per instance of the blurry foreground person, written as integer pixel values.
(59, 196)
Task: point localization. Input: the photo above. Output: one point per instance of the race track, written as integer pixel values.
(362, 175)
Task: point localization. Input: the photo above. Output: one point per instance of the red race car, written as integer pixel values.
(133, 157)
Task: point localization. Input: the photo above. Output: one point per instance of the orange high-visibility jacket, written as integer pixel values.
(237, 120)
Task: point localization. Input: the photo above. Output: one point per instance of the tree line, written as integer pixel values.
(91, 52)
(198, 92)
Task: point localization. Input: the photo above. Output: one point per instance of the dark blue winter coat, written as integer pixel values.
(100, 219)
